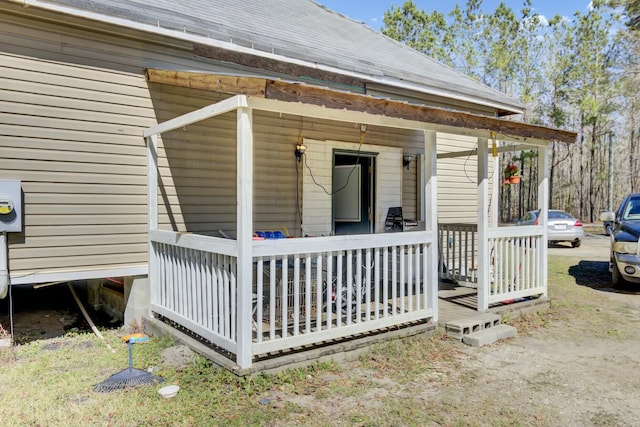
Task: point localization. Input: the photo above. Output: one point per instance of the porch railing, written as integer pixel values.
(194, 286)
(458, 248)
(305, 291)
(517, 268)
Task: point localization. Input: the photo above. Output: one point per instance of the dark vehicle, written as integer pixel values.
(607, 222)
(625, 232)
(561, 226)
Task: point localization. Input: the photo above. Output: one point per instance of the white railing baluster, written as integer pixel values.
(284, 284)
(409, 282)
(359, 281)
(272, 297)
(339, 288)
(179, 261)
(215, 303)
(418, 274)
(367, 283)
(296, 295)
(307, 294)
(426, 273)
(350, 303)
(260, 295)
(195, 303)
(208, 283)
(323, 284)
(227, 297)
(233, 290)
(376, 281)
(173, 277)
(394, 280)
(199, 283)
(385, 281)
(403, 279)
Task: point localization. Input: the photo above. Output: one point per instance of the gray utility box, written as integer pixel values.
(10, 206)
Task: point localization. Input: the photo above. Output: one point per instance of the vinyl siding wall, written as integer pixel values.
(72, 135)
(457, 180)
(73, 106)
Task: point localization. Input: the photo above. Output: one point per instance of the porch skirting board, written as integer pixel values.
(347, 349)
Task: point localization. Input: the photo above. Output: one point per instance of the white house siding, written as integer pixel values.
(196, 164)
(72, 136)
(73, 105)
(457, 180)
(318, 179)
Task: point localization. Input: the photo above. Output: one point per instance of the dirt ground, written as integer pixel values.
(576, 365)
(585, 369)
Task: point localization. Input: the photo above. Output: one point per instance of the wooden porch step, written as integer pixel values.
(459, 328)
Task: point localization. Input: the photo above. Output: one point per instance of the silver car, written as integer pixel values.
(561, 226)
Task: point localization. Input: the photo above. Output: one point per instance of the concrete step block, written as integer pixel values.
(459, 328)
(489, 336)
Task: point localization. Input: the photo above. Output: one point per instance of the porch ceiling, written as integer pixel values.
(325, 103)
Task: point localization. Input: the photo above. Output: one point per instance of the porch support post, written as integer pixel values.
(430, 212)
(483, 225)
(152, 211)
(496, 181)
(543, 205)
(244, 235)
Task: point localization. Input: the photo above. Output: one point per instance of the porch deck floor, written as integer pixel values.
(456, 302)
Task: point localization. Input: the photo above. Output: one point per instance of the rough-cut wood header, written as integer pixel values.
(273, 65)
(313, 95)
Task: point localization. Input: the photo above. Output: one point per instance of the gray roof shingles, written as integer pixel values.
(303, 30)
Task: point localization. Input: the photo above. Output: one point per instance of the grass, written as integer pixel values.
(382, 383)
(413, 381)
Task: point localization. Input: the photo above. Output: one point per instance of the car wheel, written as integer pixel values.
(576, 244)
(617, 281)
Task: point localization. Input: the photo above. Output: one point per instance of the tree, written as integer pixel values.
(569, 73)
(426, 33)
(593, 94)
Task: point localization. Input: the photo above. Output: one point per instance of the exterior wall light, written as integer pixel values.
(300, 149)
(406, 160)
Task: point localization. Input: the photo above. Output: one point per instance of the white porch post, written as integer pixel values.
(543, 205)
(430, 211)
(244, 234)
(496, 182)
(483, 225)
(152, 210)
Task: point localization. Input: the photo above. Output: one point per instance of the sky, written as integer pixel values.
(371, 11)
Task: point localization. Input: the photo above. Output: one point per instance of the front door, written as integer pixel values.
(353, 192)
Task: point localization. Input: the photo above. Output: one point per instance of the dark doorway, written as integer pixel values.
(353, 192)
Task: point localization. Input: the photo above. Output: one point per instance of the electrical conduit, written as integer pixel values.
(4, 269)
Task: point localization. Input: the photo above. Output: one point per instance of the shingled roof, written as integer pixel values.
(293, 30)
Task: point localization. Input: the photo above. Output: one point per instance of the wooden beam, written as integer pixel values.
(222, 107)
(386, 107)
(337, 100)
(273, 65)
(214, 82)
(506, 149)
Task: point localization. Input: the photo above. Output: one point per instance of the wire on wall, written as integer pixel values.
(363, 131)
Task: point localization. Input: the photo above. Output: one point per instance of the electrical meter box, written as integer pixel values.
(10, 206)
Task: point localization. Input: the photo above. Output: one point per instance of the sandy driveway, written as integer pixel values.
(583, 368)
